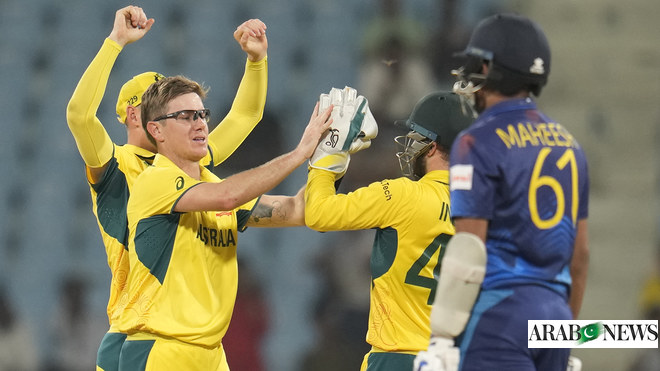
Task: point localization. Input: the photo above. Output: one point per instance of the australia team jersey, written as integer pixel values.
(526, 175)
(413, 226)
(109, 198)
(183, 269)
(124, 163)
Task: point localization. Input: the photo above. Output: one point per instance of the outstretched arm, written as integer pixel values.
(248, 106)
(279, 211)
(240, 188)
(93, 141)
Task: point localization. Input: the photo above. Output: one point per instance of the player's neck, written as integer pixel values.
(436, 162)
(492, 98)
(188, 166)
(139, 139)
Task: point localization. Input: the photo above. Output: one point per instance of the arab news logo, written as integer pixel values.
(592, 334)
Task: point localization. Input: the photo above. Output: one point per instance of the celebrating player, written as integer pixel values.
(112, 168)
(411, 219)
(519, 199)
(183, 224)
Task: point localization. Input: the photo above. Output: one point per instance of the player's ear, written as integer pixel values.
(434, 148)
(132, 117)
(155, 130)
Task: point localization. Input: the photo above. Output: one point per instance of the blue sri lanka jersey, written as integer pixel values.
(526, 175)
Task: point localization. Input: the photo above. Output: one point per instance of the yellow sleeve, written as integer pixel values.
(154, 194)
(246, 112)
(364, 208)
(93, 141)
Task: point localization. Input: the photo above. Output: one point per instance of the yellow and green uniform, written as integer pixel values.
(125, 163)
(412, 225)
(183, 277)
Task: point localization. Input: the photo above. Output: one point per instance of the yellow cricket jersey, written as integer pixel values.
(109, 198)
(183, 276)
(412, 225)
(124, 163)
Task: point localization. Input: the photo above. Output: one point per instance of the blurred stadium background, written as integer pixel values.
(604, 86)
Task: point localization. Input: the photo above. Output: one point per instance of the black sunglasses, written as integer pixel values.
(187, 114)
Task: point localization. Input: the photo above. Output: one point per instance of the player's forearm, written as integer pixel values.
(325, 210)
(579, 268)
(294, 213)
(319, 200)
(93, 141)
(254, 182)
(279, 211)
(240, 188)
(251, 94)
(245, 113)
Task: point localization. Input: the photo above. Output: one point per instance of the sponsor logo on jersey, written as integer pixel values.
(386, 189)
(460, 177)
(179, 183)
(216, 237)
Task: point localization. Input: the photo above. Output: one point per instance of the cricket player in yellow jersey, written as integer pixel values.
(411, 219)
(112, 168)
(183, 223)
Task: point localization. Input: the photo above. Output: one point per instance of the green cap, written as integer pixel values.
(440, 116)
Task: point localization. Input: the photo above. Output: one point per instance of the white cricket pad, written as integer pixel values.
(461, 274)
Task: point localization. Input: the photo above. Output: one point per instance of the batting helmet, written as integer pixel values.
(438, 117)
(516, 50)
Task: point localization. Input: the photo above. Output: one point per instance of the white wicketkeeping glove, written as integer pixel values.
(441, 355)
(353, 127)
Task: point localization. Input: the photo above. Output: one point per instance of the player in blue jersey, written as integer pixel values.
(519, 187)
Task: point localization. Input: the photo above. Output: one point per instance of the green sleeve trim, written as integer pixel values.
(243, 216)
(179, 198)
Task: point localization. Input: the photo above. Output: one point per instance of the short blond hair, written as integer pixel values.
(161, 92)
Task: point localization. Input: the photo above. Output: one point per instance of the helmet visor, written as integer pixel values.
(410, 147)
